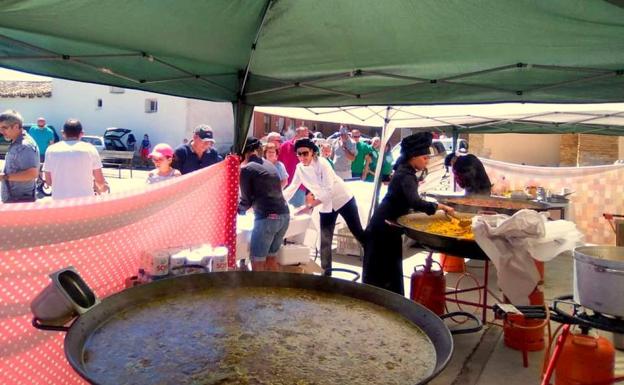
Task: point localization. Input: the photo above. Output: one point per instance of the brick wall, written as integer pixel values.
(476, 144)
(588, 150)
(568, 150)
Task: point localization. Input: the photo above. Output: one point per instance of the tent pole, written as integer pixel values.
(386, 132)
(455, 138)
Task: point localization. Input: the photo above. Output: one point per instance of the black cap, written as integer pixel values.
(252, 144)
(204, 132)
(416, 145)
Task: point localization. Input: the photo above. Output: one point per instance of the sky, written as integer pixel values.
(6, 74)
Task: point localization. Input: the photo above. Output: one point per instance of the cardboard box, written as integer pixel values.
(293, 254)
(303, 268)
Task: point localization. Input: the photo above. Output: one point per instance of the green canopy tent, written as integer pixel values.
(326, 52)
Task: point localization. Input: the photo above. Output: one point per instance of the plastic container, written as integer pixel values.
(156, 263)
(220, 259)
(293, 254)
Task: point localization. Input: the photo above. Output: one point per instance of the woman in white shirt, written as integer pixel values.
(330, 193)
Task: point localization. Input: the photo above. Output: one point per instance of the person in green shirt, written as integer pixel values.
(372, 159)
(363, 149)
(43, 136)
(386, 166)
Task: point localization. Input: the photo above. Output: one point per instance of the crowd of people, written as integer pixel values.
(73, 168)
(300, 171)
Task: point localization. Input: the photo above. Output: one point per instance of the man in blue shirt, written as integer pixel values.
(21, 164)
(43, 136)
(199, 153)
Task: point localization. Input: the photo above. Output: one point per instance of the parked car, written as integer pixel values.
(96, 141)
(115, 138)
(462, 144)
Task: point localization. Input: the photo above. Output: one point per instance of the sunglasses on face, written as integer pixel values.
(303, 153)
(356, 136)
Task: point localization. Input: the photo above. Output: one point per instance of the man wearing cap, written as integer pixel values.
(72, 166)
(261, 188)
(21, 163)
(344, 153)
(43, 136)
(198, 153)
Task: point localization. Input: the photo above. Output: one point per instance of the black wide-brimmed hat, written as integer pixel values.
(305, 142)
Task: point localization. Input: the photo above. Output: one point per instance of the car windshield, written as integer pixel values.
(93, 141)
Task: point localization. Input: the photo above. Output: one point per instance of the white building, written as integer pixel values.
(167, 119)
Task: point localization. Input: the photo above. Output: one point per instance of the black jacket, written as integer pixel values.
(261, 188)
(402, 196)
(186, 160)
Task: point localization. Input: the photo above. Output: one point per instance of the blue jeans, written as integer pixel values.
(267, 235)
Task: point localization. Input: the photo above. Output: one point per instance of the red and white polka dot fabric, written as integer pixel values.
(103, 238)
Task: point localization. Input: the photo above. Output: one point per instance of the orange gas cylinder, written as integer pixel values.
(428, 287)
(525, 334)
(451, 264)
(584, 360)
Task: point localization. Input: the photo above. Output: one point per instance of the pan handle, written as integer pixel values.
(464, 314)
(338, 269)
(38, 325)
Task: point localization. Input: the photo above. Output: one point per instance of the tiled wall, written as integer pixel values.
(598, 190)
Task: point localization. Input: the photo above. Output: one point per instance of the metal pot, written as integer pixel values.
(599, 278)
(94, 319)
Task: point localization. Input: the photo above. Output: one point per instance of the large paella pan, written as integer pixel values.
(484, 203)
(431, 233)
(257, 328)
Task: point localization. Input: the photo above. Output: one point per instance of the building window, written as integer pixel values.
(99, 104)
(151, 105)
(267, 123)
(117, 90)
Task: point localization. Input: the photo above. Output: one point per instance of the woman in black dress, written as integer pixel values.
(383, 254)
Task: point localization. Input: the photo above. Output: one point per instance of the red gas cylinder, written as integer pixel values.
(428, 287)
(584, 360)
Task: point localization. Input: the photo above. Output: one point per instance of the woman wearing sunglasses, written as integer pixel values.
(330, 194)
(383, 251)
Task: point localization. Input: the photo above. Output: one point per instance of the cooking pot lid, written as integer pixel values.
(607, 256)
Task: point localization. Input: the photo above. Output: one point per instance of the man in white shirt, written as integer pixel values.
(72, 166)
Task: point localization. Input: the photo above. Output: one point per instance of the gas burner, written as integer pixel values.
(575, 314)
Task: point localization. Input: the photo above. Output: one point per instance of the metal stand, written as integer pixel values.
(484, 303)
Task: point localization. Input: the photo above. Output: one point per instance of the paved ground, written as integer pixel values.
(479, 359)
